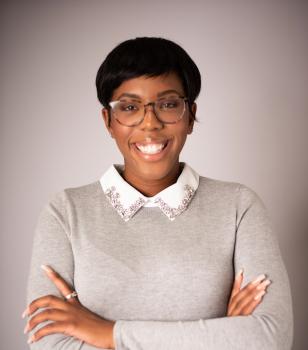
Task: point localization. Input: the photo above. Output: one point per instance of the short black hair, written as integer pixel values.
(150, 56)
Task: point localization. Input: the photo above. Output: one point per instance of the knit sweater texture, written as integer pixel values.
(165, 283)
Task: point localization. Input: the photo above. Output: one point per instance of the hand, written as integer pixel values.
(69, 315)
(244, 301)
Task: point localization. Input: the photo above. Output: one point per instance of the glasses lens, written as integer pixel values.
(130, 113)
(170, 110)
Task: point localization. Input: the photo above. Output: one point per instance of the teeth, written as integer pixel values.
(151, 148)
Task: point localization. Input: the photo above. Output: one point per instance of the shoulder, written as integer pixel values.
(214, 187)
(212, 184)
(76, 196)
(227, 190)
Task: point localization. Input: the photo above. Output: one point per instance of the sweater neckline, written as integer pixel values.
(127, 200)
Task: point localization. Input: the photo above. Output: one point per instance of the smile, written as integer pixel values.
(151, 148)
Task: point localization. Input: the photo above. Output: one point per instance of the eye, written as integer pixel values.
(169, 104)
(128, 107)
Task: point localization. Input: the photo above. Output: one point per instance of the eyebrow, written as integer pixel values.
(162, 93)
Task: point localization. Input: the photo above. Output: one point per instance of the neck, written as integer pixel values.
(150, 187)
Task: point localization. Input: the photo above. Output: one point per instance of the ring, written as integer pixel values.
(71, 295)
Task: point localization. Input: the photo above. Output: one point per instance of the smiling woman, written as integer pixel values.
(151, 148)
(153, 255)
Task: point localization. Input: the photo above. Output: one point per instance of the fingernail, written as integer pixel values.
(30, 340)
(24, 314)
(46, 268)
(264, 284)
(258, 279)
(259, 295)
(239, 274)
(26, 328)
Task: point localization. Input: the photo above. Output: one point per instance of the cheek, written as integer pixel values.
(182, 142)
(121, 138)
(181, 139)
(181, 134)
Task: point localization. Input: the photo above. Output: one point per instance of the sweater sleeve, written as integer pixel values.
(51, 246)
(271, 324)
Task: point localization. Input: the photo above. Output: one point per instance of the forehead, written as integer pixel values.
(150, 87)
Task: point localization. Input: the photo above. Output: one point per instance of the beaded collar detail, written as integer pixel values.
(126, 200)
(114, 198)
(173, 212)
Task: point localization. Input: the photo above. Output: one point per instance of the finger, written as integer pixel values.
(64, 288)
(251, 296)
(46, 301)
(51, 328)
(249, 306)
(59, 282)
(250, 287)
(46, 315)
(237, 283)
(235, 290)
(241, 299)
(244, 296)
(248, 309)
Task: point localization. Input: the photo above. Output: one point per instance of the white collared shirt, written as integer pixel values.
(126, 200)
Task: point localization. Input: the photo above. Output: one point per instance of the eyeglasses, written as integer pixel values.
(131, 113)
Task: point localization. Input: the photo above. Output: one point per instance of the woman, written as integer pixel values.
(146, 258)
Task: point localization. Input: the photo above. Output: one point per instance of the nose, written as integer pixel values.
(150, 120)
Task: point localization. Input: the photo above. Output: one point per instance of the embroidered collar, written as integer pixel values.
(126, 200)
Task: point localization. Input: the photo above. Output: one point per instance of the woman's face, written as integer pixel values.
(138, 143)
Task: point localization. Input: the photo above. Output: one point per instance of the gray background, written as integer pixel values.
(252, 109)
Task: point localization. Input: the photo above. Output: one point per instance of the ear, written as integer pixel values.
(106, 118)
(191, 118)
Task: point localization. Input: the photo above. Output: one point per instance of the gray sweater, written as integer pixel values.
(165, 283)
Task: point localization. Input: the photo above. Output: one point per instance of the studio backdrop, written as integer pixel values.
(252, 114)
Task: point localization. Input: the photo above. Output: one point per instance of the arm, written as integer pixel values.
(269, 327)
(52, 246)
